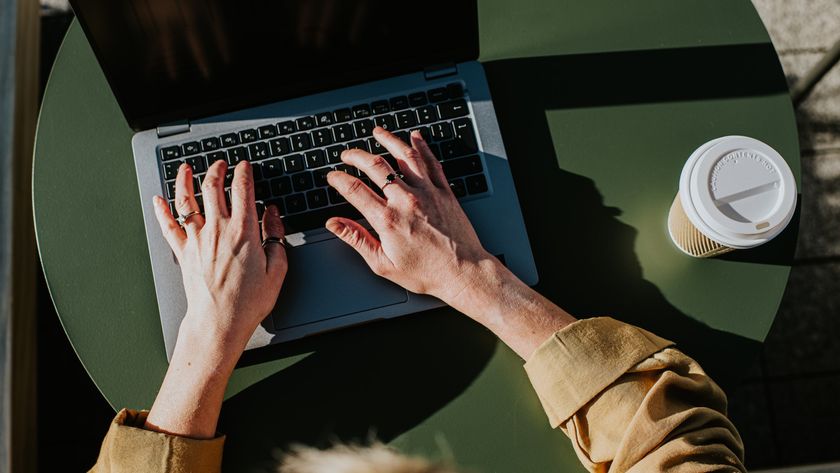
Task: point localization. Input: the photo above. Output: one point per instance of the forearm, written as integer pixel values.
(522, 318)
(190, 398)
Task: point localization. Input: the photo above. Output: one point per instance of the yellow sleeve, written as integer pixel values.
(631, 403)
(130, 448)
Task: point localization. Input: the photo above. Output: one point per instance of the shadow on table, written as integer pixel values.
(387, 377)
(593, 270)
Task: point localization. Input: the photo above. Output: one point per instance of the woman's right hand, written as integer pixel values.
(426, 243)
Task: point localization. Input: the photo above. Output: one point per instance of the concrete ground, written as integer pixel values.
(787, 411)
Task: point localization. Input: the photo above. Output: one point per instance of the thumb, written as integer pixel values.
(357, 236)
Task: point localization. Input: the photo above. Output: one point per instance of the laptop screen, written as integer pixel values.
(170, 60)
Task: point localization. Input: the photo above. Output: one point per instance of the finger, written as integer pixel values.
(213, 189)
(375, 167)
(357, 236)
(275, 254)
(358, 194)
(172, 232)
(242, 206)
(433, 166)
(185, 202)
(407, 156)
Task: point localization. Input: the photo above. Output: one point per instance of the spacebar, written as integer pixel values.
(317, 218)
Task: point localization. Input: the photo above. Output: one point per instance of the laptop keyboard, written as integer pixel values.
(291, 159)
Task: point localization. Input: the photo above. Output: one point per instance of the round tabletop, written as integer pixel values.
(600, 104)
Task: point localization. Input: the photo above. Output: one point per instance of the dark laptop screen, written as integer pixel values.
(168, 60)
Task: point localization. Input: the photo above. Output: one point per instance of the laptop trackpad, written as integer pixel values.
(329, 279)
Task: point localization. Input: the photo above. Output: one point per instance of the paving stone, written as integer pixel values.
(806, 417)
(748, 410)
(819, 227)
(800, 24)
(803, 340)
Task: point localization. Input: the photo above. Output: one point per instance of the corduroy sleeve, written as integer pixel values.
(630, 402)
(128, 447)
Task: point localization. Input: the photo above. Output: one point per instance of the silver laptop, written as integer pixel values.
(288, 85)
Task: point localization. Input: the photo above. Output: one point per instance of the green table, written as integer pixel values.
(600, 102)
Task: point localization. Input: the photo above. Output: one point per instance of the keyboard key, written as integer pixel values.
(301, 142)
(406, 119)
(358, 144)
(302, 181)
(228, 177)
(215, 156)
(343, 132)
(267, 131)
(462, 167)
(464, 132)
(348, 169)
(453, 109)
(335, 197)
(435, 149)
(361, 111)
(425, 133)
(334, 154)
(235, 155)
(317, 218)
(375, 146)
(315, 158)
(455, 90)
(260, 209)
(172, 209)
(322, 137)
(403, 136)
(398, 103)
(295, 203)
(380, 106)
(230, 139)
(427, 114)
(280, 146)
(442, 131)
(392, 161)
(417, 99)
(262, 190)
(305, 123)
(438, 95)
(210, 144)
(256, 170)
(281, 207)
(170, 190)
(363, 128)
(454, 148)
(258, 151)
(170, 152)
(281, 186)
(191, 148)
(387, 122)
(324, 119)
(476, 184)
(247, 136)
(293, 163)
(458, 187)
(317, 198)
(197, 163)
(342, 115)
(272, 168)
(170, 170)
(319, 177)
(284, 128)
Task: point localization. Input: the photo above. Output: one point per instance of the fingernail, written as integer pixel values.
(336, 227)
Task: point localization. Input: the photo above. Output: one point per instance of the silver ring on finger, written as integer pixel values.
(279, 241)
(391, 178)
(182, 219)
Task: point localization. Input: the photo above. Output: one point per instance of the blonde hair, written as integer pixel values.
(377, 458)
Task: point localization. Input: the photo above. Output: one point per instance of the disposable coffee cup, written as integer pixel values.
(735, 193)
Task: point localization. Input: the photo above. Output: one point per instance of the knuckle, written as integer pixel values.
(241, 186)
(412, 202)
(412, 154)
(389, 218)
(182, 202)
(211, 181)
(380, 163)
(355, 187)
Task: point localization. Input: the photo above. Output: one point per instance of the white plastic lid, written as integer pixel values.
(738, 191)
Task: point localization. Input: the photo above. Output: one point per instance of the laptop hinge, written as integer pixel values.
(173, 129)
(440, 70)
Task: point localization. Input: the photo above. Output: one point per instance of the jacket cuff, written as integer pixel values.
(578, 362)
(128, 443)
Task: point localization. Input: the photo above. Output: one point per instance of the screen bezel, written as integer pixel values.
(239, 102)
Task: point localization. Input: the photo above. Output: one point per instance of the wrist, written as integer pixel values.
(482, 283)
(207, 344)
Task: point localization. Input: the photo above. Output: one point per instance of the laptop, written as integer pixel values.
(288, 85)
